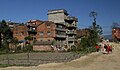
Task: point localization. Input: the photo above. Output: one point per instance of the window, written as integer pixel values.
(41, 40)
(22, 33)
(41, 34)
(48, 26)
(48, 33)
(48, 39)
(59, 26)
(17, 33)
(33, 28)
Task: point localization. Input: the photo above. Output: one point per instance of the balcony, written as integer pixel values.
(71, 32)
(71, 25)
(32, 31)
(71, 38)
(60, 29)
(60, 36)
(71, 18)
(60, 23)
(31, 25)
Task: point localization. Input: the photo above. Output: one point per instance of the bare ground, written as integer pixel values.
(94, 61)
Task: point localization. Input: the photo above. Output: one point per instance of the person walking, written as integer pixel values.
(97, 48)
(108, 49)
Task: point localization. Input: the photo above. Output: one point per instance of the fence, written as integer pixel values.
(22, 59)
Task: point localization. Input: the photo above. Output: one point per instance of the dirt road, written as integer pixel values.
(94, 61)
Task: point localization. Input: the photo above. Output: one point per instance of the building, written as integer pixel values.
(20, 32)
(83, 32)
(71, 27)
(116, 33)
(65, 27)
(43, 33)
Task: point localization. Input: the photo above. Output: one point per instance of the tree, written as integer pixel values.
(6, 34)
(28, 46)
(15, 42)
(96, 30)
(6, 37)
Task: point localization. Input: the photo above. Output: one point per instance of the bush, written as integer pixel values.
(73, 48)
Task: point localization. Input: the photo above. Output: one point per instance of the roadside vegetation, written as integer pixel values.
(86, 44)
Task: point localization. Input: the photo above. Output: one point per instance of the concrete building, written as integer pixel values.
(65, 27)
(71, 27)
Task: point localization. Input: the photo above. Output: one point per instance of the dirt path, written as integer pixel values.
(94, 61)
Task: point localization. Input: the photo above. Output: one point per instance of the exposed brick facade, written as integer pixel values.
(20, 32)
(48, 30)
(82, 32)
(44, 31)
(116, 33)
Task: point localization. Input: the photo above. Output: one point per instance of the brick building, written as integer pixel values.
(116, 33)
(20, 32)
(58, 32)
(43, 33)
(83, 32)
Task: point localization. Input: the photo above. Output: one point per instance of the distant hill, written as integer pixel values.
(107, 36)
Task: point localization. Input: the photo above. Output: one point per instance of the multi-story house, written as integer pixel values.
(71, 26)
(20, 32)
(116, 33)
(65, 27)
(43, 33)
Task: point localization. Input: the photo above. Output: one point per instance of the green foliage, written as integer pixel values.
(28, 47)
(73, 48)
(27, 38)
(6, 35)
(87, 43)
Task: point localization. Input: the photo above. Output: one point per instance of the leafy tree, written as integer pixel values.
(28, 46)
(6, 34)
(6, 37)
(96, 30)
(15, 42)
(88, 42)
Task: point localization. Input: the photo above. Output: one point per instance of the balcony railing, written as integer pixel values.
(61, 36)
(61, 29)
(32, 31)
(31, 25)
(61, 23)
(71, 25)
(71, 18)
(71, 32)
(71, 38)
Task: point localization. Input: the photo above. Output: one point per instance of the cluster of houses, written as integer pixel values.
(57, 33)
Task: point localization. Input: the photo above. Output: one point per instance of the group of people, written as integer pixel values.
(106, 48)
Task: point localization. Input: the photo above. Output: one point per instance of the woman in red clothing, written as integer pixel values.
(97, 48)
(108, 48)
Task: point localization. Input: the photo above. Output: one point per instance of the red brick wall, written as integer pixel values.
(42, 48)
(43, 28)
(116, 33)
(20, 32)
